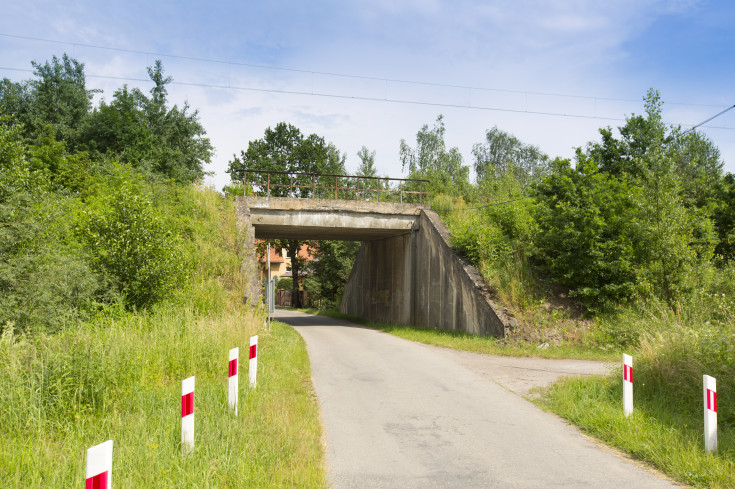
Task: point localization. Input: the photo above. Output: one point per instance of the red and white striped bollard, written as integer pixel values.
(187, 414)
(99, 466)
(627, 385)
(253, 361)
(232, 382)
(710, 413)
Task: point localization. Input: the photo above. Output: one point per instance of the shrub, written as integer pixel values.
(129, 241)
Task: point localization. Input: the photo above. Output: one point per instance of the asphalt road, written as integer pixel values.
(398, 414)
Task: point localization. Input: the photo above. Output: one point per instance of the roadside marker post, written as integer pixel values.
(710, 413)
(187, 414)
(232, 382)
(99, 466)
(253, 360)
(627, 385)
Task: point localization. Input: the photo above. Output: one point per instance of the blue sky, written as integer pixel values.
(601, 56)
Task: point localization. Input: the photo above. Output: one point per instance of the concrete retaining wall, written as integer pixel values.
(417, 279)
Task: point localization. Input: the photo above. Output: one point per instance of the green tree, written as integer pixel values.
(367, 169)
(667, 248)
(330, 269)
(58, 97)
(724, 217)
(431, 160)
(129, 241)
(146, 133)
(285, 149)
(502, 153)
(584, 240)
(44, 277)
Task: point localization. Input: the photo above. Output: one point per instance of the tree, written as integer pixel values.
(622, 221)
(285, 149)
(666, 230)
(584, 240)
(330, 270)
(724, 217)
(144, 132)
(367, 169)
(44, 278)
(59, 97)
(502, 154)
(129, 241)
(430, 160)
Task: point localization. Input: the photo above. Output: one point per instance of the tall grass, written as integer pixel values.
(118, 376)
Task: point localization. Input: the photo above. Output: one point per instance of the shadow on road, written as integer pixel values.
(298, 319)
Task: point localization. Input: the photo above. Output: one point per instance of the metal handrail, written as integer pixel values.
(291, 186)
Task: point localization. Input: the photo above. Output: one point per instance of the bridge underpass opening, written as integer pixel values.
(405, 271)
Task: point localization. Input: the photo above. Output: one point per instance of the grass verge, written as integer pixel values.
(659, 432)
(120, 379)
(474, 343)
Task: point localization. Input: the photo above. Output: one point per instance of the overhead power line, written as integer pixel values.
(711, 118)
(365, 98)
(342, 75)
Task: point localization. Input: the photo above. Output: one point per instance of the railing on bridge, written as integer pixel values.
(306, 185)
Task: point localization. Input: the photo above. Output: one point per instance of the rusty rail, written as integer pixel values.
(267, 185)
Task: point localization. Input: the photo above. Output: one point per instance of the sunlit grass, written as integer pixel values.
(660, 432)
(478, 344)
(121, 380)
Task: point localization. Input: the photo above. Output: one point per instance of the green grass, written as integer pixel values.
(120, 379)
(474, 343)
(665, 433)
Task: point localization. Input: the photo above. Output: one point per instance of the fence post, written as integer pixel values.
(313, 184)
(269, 184)
(401, 187)
(357, 195)
(421, 192)
(335, 187)
(290, 189)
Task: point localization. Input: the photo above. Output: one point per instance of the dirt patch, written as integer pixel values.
(523, 375)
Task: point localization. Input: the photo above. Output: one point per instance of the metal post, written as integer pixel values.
(313, 185)
(290, 190)
(269, 191)
(244, 182)
(269, 288)
(400, 185)
(421, 192)
(357, 195)
(335, 187)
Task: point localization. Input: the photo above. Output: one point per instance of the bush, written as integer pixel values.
(285, 284)
(129, 241)
(44, 277)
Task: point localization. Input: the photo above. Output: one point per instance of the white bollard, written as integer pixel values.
(232, 383)
(627, 385)
(187, 414)
(253, 362)
(99, 466)
(710, 414)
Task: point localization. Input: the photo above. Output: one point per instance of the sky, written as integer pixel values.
(372, 73)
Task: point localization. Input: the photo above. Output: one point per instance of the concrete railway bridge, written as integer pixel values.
(405, 271)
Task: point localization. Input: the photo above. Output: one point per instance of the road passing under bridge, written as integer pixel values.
(399, 414)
